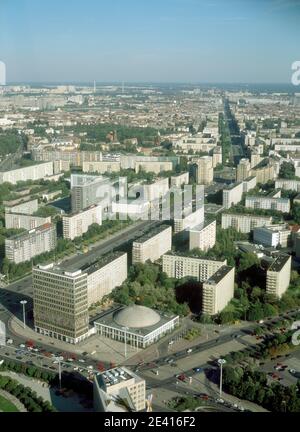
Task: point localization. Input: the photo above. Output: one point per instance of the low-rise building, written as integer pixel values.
(152, 245)
(279, 275)
(218, 290)
(203, 236)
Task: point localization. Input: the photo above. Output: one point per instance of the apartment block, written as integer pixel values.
(268, 203)
(28, 222)
(243, 170)
(288, 184)
(244, 222)
(189, 221)
(205, 171)
(218, 290)
(60, 305)
(217, 156)
(203, 236)
(119, 390)
(156, 167)
(104, 275)
(263, 173)
(23, 247)
(27, 207)
(272, 236)
(249, 183)
(33, 172)
(149, 191)
(180, 179)
(232, 194)
(279, 275)
(180, 266)
(152, 245)
(101, 167)
(87, 190)
(75, 225)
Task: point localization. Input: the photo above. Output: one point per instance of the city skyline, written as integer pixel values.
(177, 41)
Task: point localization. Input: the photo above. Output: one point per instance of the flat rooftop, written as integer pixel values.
(232, 186)
(203, 225)
(155, 231)
(279, 263)
(219, 275)
(184, 255)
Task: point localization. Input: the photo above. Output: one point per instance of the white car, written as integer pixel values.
(22, 346)
(189, 351)
(220, 400)
(81, 361)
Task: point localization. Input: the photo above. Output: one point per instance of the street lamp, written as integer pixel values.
(23, 303)
(125, 340)
(59, 359)
(221, 362)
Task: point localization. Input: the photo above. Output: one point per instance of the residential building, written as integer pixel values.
(23, 247)
(119, 390)
(180, 266)
(232, 194)
(288, 184)
(218, 290)
(180, 179)
(272, 236)
(205, 171)
(60, 305)
(27, 207)
(268, 203)
(189, 221)
(87, 190)
(28, 222)
(152, 245)
(279, 275)
(153, 166)
(217, 156)
(243, 170)
(76, 224)
(203, 236)
(249, 183)
(33, 172)
(244, 222)
(263, 173)
(101, 167)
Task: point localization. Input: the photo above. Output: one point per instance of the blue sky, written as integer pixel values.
(153, 40)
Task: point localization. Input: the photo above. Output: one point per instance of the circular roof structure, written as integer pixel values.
(136, 316)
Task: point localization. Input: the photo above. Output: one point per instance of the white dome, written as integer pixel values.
(136, 317)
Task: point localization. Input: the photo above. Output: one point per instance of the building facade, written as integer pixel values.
(244, 222)
(232, 195)
(268, 203)
(203, 236)
(28, 222)
(33, 172)
(218, 290)
(75, 225)
(279, 275)
(152, 245)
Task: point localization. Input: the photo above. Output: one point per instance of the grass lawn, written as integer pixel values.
(7, 406)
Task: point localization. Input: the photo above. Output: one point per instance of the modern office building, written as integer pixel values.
(272, 236)
(60, 306)
(244, 222)
(75, 225)
(28, 222)
(152, 245)
(279, 275)
(25, 246)
(138, 326)
(119, 390)
(180, 266)
(205, 171)
(189, 221)
(268, 203)
(243, 170)
(33, 172)
(232, 194)
(218, 290)
(203, 236)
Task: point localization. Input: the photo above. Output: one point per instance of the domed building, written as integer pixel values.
(137, 325)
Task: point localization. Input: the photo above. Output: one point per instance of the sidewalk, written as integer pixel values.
(13, 400)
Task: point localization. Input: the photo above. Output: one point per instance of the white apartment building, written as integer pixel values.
(249, 183)
(279, 275)
(152, 245)
(268, 203)
(23, 247)
(272, 236)
(28, 222)
(180, 179)
(135, 209)
(189, 221)
(33, 172)
(288, 184)
(243, 170)
(217, 156)
(27, 207)
(232, 194)
(104, 275)
(75, 225)
(218, 290)
(205, 171)
(156, 167)
(180, 266)
(101, 167)
(244, 222)
(203, 236)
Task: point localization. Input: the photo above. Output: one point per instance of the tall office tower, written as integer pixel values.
(87, 190)
(243, 170)
(279, 275)
(60, 303)
(205, 171)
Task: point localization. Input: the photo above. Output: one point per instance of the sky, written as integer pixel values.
(215, 41)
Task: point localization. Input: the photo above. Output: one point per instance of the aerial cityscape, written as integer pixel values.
(149, 213)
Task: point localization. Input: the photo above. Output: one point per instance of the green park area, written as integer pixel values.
(6, 405)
